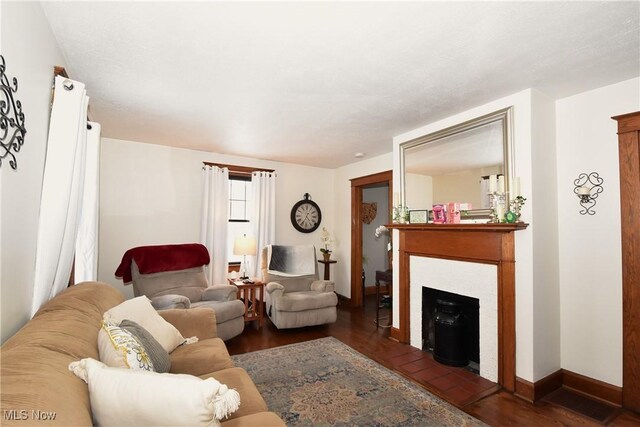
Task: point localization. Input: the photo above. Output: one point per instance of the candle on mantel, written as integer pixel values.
(516, 187)
(492, 183)
(500, 212)
(501, 184)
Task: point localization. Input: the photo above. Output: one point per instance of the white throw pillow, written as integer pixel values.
(126, 397)
(142, 312)
(118, 348)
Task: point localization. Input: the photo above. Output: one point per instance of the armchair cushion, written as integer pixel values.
(301, 301)
(225, 310)
(165, 302)
(220, 293)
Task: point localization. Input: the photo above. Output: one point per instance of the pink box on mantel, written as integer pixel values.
(453, 213)
(439, 214)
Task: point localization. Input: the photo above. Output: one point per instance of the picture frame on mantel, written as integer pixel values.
(418, 216)
(475, 216)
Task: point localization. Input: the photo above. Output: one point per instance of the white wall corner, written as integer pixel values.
(546, 288)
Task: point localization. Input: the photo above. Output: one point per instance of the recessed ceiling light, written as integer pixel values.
(359, 155)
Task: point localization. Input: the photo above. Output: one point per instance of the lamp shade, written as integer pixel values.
(244, 245)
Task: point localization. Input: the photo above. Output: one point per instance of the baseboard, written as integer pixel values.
(342, 300)
(606, 392)
(532, 392)
(394, 334)
(371, 290)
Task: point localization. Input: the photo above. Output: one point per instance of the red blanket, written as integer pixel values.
(154, 259)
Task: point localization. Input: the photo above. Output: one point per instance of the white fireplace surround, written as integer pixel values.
(470, 279)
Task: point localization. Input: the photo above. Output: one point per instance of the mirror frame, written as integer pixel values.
(503, 116)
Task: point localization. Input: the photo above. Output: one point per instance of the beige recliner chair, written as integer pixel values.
(294, 301)
(172, 278)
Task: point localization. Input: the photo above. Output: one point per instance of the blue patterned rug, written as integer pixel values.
(327, 383)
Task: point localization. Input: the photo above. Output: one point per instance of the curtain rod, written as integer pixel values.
(61, 71)
(239, 170)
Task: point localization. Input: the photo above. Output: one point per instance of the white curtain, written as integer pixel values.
(62, 190)
(86, 265)
(215, 221)
(263, 218)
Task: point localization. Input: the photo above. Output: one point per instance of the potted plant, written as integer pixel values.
(325, 238)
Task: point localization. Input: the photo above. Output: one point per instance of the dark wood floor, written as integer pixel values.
(474, 395)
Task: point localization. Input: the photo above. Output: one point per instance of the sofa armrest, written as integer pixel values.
(193, 322)
(323, 286)
(165, 302)
(220, 293)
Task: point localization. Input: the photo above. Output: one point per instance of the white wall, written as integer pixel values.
(419, 191)
(374, 250)
(342, 197)
(590, 254)
(150, 194)
(30, 51)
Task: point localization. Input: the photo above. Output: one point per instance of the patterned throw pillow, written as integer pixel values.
(158, 355)
(118, 348)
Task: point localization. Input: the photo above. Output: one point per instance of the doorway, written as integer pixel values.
(358, 187)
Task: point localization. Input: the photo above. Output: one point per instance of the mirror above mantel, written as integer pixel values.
(453, 164)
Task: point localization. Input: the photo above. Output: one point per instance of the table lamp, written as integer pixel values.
(244, 246)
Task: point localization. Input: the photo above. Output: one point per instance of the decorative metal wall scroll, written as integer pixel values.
(587, 188)
(12, 128)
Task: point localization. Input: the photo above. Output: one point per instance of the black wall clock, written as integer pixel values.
(306, 215)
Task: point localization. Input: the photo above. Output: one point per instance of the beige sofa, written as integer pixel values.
(35, 378)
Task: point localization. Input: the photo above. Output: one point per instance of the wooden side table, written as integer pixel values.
(252, 295)
(327, 271)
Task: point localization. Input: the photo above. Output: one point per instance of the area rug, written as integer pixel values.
(327, 383)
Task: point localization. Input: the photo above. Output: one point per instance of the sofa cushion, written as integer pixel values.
(309, 300)
(199, 322)
(142, 312)
(239, 380)
(158, 355)
(201, 357)
(118, 348)
(124, 397)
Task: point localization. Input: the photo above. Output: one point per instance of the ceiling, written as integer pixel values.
(315, 82)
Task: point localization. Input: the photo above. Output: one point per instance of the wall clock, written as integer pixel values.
(306, 215)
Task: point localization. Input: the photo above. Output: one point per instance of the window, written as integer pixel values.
(239, 224)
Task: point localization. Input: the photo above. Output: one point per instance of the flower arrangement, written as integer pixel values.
(326, 240)
(381, 230)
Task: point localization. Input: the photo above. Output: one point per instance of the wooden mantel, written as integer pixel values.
(481, 243)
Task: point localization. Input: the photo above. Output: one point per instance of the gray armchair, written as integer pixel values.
(297, 301)
(172, 276)
(189, 288)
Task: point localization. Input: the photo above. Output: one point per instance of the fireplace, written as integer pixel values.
(488, 251)
(451, 328)
(458, 279)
